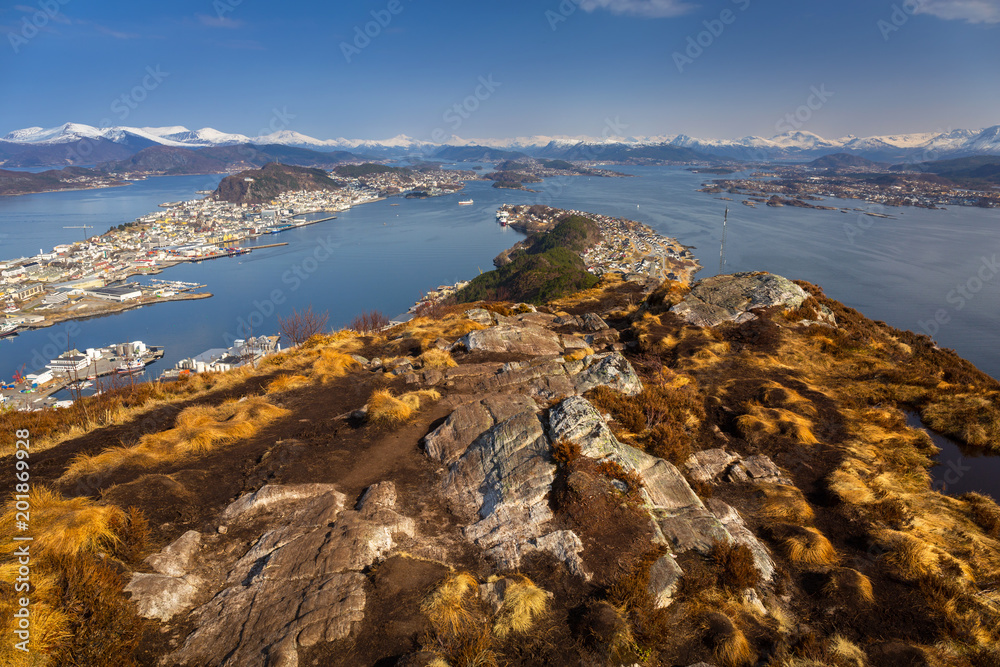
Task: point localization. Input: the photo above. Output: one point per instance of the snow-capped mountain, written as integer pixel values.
(790, 145)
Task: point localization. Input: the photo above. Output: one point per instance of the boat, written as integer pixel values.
(8, 329)
(130, 367)
(466, 202)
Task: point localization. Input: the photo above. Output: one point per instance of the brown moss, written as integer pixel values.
(735, 566)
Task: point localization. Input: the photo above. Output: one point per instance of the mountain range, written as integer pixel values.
(75, 143)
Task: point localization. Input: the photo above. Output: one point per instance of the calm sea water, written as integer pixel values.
(906, 271)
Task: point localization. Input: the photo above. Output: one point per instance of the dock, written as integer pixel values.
(36, 391)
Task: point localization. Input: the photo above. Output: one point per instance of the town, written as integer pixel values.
(887, 189)
(627, 246)
(87, 278)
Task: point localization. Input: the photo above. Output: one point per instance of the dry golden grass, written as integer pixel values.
(333, 364)
(199, 429)
(785, 503)
(851, 584)
(578, 354)
(62, 526)
(974, 418)
(847, 485)
(759, 423)
(286, 382)
(421, 332)
(984, 512)
(523, 602)
(847, 652)
(908, 557)
(435, 358)
(775, 395)
(73, 582)
(447, 606)
(808, 546)
(385, 409)
(730, 645)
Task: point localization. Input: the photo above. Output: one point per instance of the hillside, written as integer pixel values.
(545, 266)
(840, 161)
(69, 178)
(257, 186)
(476, 154)
(173, 161)
(973, 172)
(167, 160)
(717, 474)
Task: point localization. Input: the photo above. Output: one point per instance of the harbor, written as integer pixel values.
(95, 369)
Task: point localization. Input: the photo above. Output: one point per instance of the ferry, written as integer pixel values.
(130, 367)
(466, 202)
(7, 329)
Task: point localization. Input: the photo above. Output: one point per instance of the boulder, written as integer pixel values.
(514, 339)
(274, 497)
(706, 465)
(480, 316)
(664, 576)
(611, 370)
(734, 525)
(161, 596)
(592, 322)
(449, 441)
(731, 298)
(175, 559)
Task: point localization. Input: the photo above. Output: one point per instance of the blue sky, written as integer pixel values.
(556, 68)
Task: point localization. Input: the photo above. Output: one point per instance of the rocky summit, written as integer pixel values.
(720, 474)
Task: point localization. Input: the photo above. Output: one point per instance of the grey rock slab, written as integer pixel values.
(690, 528)
(610, 370)
(592, 322)
(480, 316)
(301, 583)
(161, 596)
(664, 576)
(705, 466)
(468, 421)
(274, 497)
(515, 339)
(175, 559)
(730, 298)
(736, 527)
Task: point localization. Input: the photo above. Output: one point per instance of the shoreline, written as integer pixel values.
(113, 310)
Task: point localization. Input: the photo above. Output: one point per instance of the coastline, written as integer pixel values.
(113, 309)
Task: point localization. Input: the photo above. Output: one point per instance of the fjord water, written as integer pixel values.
(904, 271)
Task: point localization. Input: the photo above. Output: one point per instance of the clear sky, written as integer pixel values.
(556, 67)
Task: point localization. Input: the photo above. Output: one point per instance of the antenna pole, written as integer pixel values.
(722, 249)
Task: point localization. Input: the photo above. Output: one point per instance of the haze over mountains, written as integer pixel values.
(74, 143)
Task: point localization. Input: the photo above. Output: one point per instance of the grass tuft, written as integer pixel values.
(730, 645)
(785, 503)
(286, 382)
(851, 584)
(447, 606)
(984, 512)
(523, 603)
(808, 546)
(333, 364)
(735, 566)
(435, 358)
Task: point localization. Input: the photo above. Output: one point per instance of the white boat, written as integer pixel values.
(7, 329)
(130, 367)
(466, 202)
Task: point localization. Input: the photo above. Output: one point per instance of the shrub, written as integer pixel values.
(565, 452)
(735, 565)
(369, 322)
(301, 326)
